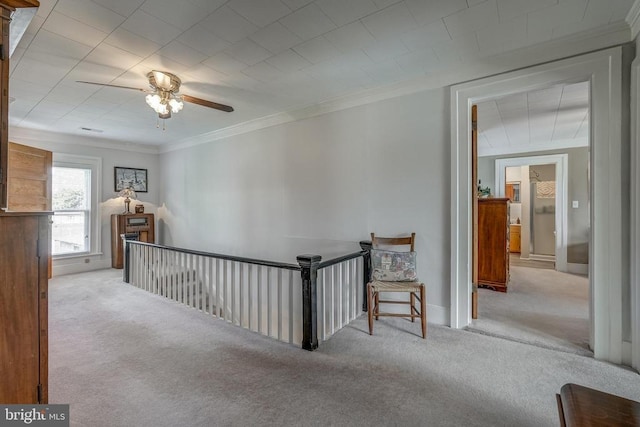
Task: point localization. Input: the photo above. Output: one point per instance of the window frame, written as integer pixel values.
(95, 165)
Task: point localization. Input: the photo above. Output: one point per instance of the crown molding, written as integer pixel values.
(575, 44)
(40, 137)
(633, 19)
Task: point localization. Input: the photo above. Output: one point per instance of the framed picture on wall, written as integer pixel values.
(130, 177)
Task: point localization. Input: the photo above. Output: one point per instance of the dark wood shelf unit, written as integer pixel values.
(142, 225)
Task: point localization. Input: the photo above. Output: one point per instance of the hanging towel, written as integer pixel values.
(546, 190)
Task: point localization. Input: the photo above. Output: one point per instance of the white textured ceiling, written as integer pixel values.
(260, 56)
(544, 119)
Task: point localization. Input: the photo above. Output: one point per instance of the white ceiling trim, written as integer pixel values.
(633, 19)
(39, 137)
(611, 35)
(554, 145)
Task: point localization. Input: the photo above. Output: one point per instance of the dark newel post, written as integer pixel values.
(366, 273)
(125, 271)
(309, 264)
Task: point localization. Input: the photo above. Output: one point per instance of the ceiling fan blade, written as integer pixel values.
(205, 103)
(118, 86)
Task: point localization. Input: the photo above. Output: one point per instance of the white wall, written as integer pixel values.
(109, 203)
(321, 184)
(634, 209)
(486, 173)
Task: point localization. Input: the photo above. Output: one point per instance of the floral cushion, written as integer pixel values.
(390, 266)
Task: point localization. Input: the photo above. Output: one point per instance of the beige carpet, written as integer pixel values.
(541, 307)
(123, 357)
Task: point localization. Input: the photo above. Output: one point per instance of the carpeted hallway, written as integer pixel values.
(122, 357)
(542, 306)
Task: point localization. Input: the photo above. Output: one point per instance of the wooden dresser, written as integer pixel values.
(493, 243)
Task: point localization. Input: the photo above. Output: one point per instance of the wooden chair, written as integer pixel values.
(415, 289)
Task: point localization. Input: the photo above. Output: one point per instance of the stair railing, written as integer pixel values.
(288, 302)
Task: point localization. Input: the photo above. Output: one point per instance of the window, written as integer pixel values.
(74, 200)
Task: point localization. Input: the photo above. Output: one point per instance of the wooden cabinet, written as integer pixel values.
(514, 238)
(4, 101)
(493, 243)
(28, 179)
(140, 225)
(24, 249)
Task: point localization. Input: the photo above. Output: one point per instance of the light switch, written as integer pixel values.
(575, 204)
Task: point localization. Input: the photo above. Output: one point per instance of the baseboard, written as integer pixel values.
(626, 353)
(536, 257)
(79, 266)
(438, 315)
(578, 268)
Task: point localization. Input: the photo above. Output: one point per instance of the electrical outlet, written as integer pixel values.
(575, 204)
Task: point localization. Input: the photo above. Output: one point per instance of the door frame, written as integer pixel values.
(603, 70)
(561, 162)
(634, 250)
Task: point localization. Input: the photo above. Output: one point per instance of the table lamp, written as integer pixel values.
(127, 193)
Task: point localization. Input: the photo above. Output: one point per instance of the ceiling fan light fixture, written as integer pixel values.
(176, 104)
(163, 101)
(153, 100)
(163, 94)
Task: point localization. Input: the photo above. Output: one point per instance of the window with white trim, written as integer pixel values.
(74, 203)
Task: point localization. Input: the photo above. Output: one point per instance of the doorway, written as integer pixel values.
(542, 227)
(539, 242)
(543, 208)
(547, 308)
(603, 70)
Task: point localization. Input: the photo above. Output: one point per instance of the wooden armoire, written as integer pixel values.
(493, 243)
(24, 253)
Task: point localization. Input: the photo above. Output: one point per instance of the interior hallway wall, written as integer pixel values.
(320, 185)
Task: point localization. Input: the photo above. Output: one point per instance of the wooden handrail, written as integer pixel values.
(255, 261)
(338, 260)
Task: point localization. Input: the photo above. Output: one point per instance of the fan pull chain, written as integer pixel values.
(164, 124)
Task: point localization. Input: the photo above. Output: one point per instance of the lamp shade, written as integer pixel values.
(127, 193)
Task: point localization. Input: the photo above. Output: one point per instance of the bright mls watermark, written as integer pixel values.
(34, 415)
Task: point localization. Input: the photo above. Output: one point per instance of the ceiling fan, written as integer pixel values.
(163, 94)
